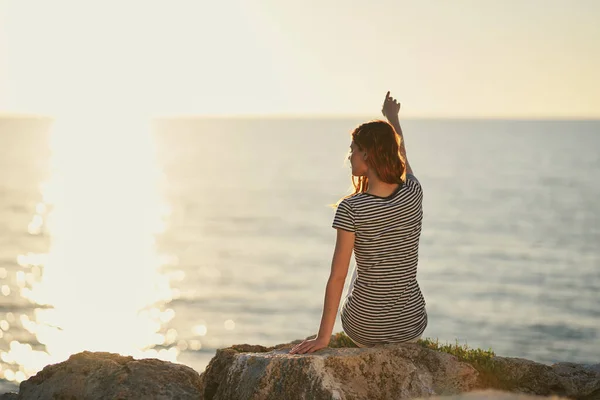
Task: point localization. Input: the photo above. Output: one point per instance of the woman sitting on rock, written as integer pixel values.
(381, 223)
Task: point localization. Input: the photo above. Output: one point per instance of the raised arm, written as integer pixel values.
(390, 110)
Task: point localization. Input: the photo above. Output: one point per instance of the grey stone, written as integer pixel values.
(111, 376)
(387, 372)
(571, 380)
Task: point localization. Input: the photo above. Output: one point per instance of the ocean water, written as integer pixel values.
(175, 239)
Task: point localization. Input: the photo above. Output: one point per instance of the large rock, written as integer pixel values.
(388, 372)
(576, 381)
(111, 376)
(398, 371)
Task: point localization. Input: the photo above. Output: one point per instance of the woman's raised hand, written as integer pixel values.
(390, 108)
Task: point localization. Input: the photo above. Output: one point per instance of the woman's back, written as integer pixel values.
(384, 302)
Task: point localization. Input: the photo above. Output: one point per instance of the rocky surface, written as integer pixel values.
(386, 372)
(494, 395)
(565, 379)
(255, 372)
(111, 376)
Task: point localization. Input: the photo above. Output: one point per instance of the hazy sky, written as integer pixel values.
(502, 58)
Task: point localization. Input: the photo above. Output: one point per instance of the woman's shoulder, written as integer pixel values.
(412, 178)
(412, 182)
(355, 198)
(348, 201)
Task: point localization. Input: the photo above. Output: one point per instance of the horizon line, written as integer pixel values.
(183, 116)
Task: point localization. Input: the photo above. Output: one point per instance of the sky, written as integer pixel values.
(461, 58)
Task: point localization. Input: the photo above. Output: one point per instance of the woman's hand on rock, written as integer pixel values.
(309, 346)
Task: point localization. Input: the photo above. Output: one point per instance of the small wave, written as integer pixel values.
(563, 331)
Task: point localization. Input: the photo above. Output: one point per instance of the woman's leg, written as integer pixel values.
(415, 340)
(358, 344)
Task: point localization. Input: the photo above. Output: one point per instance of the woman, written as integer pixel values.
(381, 223)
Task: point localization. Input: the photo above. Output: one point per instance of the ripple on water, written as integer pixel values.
(561, 331)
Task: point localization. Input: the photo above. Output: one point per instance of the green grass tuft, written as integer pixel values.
(481, 360)
(340, 339)
(478, 358)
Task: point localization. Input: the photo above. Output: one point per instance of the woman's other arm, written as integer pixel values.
(390, 110)
(333, 292)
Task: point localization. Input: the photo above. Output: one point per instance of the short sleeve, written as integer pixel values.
(344, 217)
(412, 177)
(414, 184)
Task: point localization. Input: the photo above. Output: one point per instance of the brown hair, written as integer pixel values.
(382, 144)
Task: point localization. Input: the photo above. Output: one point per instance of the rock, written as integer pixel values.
(384, 372)
(494, 395)
(111, 376)
(592, 367)
(395, 371)
(571, 380)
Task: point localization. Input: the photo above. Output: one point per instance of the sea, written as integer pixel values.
(172, 238)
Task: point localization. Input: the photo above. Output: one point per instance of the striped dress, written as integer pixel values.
(384, 302)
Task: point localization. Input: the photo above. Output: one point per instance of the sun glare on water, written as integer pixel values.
(100, 287)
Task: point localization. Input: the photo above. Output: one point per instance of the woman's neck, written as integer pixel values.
(379, 188)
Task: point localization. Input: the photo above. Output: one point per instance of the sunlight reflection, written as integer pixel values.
(99, 288)
(195, 345)
(200, 330)
(229, 325)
